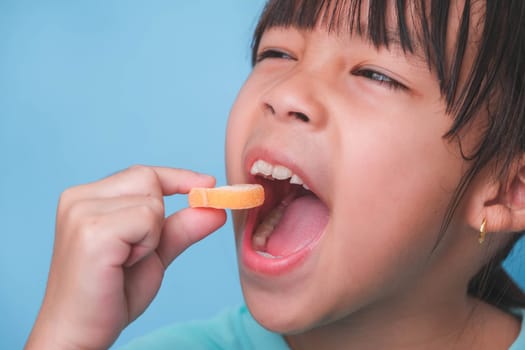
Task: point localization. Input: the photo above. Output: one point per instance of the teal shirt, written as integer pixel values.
(234, 329)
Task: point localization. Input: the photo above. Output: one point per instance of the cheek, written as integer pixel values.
(397, 186)
(387, 216)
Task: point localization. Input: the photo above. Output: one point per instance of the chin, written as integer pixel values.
(286, 312)
(281, 320)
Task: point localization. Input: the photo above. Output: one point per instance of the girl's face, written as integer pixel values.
(362, 129)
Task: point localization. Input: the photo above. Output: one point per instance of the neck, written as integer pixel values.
(464, 323)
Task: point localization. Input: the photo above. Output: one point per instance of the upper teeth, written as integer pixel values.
(278, 172)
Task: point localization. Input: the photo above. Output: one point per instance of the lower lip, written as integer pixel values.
(259, 264)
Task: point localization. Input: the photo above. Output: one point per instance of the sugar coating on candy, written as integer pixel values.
(241, 196)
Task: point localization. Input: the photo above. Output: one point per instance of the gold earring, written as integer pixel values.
(482, 231)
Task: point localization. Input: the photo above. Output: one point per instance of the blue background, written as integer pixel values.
(91, 87)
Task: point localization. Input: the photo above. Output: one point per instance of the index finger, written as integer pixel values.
(145, 180)
(181, 181)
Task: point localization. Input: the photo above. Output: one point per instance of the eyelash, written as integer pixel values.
(377, 77)
(380, 78)
(271, 53)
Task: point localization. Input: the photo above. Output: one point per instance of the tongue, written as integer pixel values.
(303, 220)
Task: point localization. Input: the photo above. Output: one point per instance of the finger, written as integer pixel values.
(121, 237)
(142, 282)
(90, 207)
(185, 228)
(144, 180)
(181, 181)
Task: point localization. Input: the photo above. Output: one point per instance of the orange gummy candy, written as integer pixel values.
(242, 196)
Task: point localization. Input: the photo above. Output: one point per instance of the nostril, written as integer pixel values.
(270, 108)
(301, 116)
(297, 115)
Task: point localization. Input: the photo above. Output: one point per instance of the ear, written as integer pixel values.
(500, 204)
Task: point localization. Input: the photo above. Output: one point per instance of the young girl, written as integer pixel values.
(390, 140)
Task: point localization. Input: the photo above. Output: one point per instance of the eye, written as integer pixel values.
(272, 53)
(380, 78)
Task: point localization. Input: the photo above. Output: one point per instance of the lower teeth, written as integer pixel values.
(265, 228)
(267, 255)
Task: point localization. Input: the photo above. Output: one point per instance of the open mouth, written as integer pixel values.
(292, 217)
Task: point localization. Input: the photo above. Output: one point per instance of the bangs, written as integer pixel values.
(340, 16)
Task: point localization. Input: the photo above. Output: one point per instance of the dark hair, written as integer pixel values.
(494, 84)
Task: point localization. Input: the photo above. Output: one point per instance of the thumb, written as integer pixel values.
(185, 228)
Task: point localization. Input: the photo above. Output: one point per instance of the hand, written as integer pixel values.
(112, 246)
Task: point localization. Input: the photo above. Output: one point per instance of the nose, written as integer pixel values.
(296, 97)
